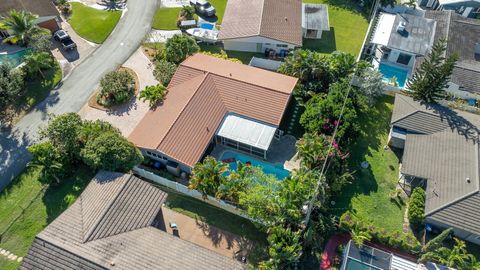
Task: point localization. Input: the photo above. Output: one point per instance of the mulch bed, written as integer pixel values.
(92, 101)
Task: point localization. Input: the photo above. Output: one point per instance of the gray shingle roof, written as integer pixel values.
(419, 34)
(37, 7)
(115, 212)
(444, 151)
(462, 35)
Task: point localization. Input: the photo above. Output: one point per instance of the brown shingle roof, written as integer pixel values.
(276, 19)
(114, 199)
(38, 7)
(203, 90)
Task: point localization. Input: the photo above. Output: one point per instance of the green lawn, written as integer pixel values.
(348, 27)
(220, 6)
(39, 209)
(166, 19)
(38, 89)
(92, 24)
(368, 195)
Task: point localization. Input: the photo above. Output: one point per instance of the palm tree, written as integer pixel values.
(312, 150)
(47, 159)
(359, 235)
(207, 176)
(21, 25)
(38, 61)
(187, 12)
(154, 94)
(456, 257)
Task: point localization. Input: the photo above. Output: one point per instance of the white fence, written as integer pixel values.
(188, 192)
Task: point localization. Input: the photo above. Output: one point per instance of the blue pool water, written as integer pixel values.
(14, 58)
(390, 71)
(279, 172)
(208, 26)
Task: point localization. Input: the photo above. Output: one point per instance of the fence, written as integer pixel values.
(189, 192)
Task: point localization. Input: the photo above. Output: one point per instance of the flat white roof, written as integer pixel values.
(384, 28)
(247, 131)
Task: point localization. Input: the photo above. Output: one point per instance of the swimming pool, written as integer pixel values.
(15, 58)
(231, 158)
(390, 71)
(207, 26)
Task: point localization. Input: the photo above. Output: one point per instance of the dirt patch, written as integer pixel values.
(92, 101)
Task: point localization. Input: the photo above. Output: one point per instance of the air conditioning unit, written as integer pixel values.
(401, 27)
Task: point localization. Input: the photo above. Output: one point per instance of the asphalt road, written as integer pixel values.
(76, 89)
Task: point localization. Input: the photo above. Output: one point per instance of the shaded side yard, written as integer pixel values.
(25, 209)
(369, 194)
(92, 24)
(348, 27)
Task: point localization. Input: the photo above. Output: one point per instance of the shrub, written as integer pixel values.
(11, 83)
(416, 207)
(110, 151)
(154, 94)
(164, 71)
(115, 88)
(41, 42)
(222, 55)
(179, 47)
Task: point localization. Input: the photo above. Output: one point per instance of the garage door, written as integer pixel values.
(240, 46)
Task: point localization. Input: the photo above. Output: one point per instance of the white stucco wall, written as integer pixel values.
(250, 44)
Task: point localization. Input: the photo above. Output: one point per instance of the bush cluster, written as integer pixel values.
(116, 87)
(402, 241)
(164, 71)
(416, 207)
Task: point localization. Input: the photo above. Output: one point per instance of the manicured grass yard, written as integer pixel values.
(39, 209)
(348, 27)
(166, 19)
(38, 89)
(368, 195)
(220, 6)
(92, 24)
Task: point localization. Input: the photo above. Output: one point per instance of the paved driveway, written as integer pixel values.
(75, 90)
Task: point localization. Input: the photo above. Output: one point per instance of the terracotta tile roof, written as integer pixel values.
(203, 90)
(276, 19)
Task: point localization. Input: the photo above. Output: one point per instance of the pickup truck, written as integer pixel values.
(66, 41)
(203, 8)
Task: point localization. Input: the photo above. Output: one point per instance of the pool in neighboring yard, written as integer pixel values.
(15, 58)
(231, 158)
(390, 71)
(207, 26)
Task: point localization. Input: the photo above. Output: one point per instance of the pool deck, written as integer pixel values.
(281, 151)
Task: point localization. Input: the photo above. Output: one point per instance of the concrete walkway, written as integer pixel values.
(75, 90)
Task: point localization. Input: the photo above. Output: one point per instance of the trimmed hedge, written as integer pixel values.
(397, 239)
(416, 207)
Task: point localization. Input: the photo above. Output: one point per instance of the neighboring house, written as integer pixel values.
(466, 8)
(440, 153)
(213, 101)
(48, 16)
(113, 225)
(261, 25)
(397, 40)
(463, 38)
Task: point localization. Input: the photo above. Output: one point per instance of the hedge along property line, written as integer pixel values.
(92, 101)
(416, 207)
(191, 193)
(405, 242)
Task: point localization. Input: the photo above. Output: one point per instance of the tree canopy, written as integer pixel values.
(179, 47)
(11, 83)
(21, 25)
(116, 87)
(431, 78)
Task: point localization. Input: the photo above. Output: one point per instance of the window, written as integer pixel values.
(404, 59)
(149, 153)
(268, 44)
(282, 46)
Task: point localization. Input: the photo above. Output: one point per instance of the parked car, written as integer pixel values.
(203, 8)
(66, 41)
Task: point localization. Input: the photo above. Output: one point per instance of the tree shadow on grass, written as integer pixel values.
(58, 198)
(374, 123)
(327, 44)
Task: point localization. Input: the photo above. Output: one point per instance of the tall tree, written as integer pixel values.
(11, 83)
(179, 47)
(456, 257)
(430, 79)
(46, 157)
(22, 26)
(36, 62)
(207, 176)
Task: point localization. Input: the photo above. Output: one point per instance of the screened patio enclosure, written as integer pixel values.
(246, 135)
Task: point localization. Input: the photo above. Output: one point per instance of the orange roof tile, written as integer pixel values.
(201, 92)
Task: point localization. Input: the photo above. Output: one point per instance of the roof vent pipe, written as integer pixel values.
(468, 180)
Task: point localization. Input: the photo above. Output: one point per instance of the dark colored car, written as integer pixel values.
(66, 41)
(203, 8)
